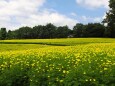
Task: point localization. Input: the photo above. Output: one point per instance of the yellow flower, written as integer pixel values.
(61, 81)
(105, 68)
(64, 71)
(94, 79)
(86, 80)
(84, 72)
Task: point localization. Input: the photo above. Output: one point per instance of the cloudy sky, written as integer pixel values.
(18, 13)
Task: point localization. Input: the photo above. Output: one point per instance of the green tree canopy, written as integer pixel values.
(77, 30)
(3, 33)
(110, 19)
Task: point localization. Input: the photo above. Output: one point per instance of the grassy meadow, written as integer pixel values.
(57, 62)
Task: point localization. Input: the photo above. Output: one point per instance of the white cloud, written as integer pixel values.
(92, 4)
(97, 19)
(104, 16)
(73, 14)
(17, 13)
(91, 19)
(49, 17)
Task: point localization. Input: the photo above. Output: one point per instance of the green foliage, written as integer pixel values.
(94, 30)
(81, 65)
(78, 30)
(63, 32)
(51, 31)
(110, 19)
(60, 42)
(24, 33)
(15, 47)
(3, 33)
(90, 64)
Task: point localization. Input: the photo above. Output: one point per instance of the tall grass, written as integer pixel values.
(91, 64)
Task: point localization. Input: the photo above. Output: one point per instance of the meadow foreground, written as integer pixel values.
(57, 62)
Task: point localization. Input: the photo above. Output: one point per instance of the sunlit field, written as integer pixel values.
(15, 47)
(67, 41)
(57, 62)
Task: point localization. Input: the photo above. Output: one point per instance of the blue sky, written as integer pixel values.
(18, 13)
(69, 6)
(73, 9)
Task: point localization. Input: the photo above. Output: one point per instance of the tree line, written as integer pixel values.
(79, 30)
(51, 31)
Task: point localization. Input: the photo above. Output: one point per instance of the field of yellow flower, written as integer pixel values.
(91, 64)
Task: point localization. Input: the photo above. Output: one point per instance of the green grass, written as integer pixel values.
(60, 42)
(25, 44)
(90, 62)
(15, 47)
